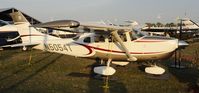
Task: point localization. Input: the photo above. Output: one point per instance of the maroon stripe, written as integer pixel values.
(147, 41)
(114, 51)
(88, 47)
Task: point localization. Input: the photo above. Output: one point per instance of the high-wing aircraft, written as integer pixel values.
(187, 24)
(189, 29)
(114, 44)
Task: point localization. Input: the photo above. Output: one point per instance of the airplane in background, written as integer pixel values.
(8, 32)
(189, 29)
(187, 24)
(114, 44)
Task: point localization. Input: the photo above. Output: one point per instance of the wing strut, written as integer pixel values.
(116, 36)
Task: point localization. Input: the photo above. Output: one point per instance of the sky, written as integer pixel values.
(115, 11)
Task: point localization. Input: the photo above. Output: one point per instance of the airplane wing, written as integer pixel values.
(103, 27)
(58, 25)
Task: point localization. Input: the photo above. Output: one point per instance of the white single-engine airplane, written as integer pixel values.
(114, 44)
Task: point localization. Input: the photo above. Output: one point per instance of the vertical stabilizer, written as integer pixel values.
(18, 17)
(28, 34)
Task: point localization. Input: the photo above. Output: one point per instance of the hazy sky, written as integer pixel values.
(113, 10)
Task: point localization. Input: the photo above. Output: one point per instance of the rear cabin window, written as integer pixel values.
(122, 36)
(87, 40)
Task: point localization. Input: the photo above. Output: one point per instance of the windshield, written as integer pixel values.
(135, 34)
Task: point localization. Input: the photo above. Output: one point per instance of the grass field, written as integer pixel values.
(55, 73)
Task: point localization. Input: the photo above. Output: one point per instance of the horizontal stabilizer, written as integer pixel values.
(20, 45)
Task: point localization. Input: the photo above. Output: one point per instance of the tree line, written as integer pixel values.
(158, 24)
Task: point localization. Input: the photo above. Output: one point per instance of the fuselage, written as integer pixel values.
(92, 45)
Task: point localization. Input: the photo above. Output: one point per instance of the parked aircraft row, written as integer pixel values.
(186, 27)
(113, 44)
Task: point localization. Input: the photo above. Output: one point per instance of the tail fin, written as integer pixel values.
(18, 18)
(28, 34)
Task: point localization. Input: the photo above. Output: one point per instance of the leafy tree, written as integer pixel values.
(158, 24)
(149, 24)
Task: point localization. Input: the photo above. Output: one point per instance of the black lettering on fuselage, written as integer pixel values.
(57, 47)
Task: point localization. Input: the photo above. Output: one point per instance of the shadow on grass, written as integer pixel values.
(189, 75)
(77, 74)
(142, 67)
(22, 69)
(4, 55)
(30, 76)
(96, 83)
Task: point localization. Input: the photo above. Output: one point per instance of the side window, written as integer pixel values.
(102, 38)
(123, 37)
(96, 39)
(99, 38)
(87, 40)
(110, 39)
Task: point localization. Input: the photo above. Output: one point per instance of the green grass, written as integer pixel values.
(55, 73)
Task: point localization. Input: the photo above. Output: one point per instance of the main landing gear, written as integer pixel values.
(155, 70)
(105, 71)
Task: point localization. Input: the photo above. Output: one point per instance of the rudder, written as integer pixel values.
(18, 17)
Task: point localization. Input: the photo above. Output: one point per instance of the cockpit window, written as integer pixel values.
(138, 33)
(3, 23)
(135, 35)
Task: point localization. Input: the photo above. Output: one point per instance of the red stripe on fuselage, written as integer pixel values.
(147, 41)
(113, 51)
(88, 47)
